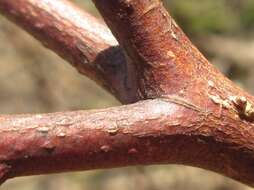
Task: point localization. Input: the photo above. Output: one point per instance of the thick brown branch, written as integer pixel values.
(161, 131)
(200, 119)
(77, 37)
(170, 66)
(168, 61)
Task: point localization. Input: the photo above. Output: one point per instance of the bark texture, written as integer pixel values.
(191, 115)
(79, 38)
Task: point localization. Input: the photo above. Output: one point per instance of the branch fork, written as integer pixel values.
(186, 111)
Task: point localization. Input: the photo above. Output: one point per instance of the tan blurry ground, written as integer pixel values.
(33, 79)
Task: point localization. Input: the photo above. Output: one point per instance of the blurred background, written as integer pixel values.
(33, 80)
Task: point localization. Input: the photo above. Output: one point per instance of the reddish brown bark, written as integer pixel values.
(161, 131)
(79, 38)
(198, 117)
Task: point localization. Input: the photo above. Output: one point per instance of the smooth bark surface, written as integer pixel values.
(197, 116)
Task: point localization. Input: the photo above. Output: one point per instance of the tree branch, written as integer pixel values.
(161, 131)
(168, 61)
(198, 117)
(37, 144)
(77, 37)
(170, 66)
